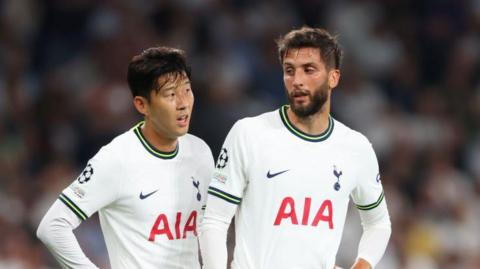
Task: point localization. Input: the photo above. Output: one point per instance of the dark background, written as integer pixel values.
(410, 83)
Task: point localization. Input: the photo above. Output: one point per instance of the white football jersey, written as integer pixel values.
(149, 202)
(292, 189)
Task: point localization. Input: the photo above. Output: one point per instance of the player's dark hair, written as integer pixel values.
(145, 69)
(315, 38)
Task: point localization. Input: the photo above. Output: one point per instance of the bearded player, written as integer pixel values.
(288, 175)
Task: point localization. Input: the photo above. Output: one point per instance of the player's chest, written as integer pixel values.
(303, 171)
(163, 189)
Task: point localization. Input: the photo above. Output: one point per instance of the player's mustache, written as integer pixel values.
(299, 93)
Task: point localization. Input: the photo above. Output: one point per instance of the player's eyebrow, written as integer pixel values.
(173, 86)
(308, 64)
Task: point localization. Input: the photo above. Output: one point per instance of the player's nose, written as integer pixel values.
(298, 79)
(183, 101)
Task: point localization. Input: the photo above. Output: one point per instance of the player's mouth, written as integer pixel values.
(300, 97)
(182, 121)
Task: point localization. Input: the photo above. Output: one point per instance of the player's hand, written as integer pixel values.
(337, 267)
(361, 264)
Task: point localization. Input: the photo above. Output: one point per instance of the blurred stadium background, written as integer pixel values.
(410, 82)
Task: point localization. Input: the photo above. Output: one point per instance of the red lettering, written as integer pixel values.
(306, 210)
(156, 230)
(326, 205)
(191, 225)
(287, 210)
(282, 214)
(177, 225)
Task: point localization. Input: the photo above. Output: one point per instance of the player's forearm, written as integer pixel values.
(56, 232)
(213, 244)
(376, 234)
(213, 233)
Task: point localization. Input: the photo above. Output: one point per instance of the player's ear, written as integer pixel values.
(333, 78)
(142, 105)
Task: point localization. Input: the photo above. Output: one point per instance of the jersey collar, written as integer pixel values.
(150, 148)
(294, 130)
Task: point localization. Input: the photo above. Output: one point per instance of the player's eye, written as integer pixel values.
(288, 71)
(169, 94)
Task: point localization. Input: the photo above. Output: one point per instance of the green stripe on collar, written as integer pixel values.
(294, 130)
(149, 147)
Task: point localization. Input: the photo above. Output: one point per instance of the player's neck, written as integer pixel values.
(314, 124)
(156, 139)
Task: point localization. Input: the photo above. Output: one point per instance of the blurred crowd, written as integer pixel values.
(409, 82)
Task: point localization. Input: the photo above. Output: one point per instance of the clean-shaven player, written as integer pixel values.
(288, 175)
(149, 184)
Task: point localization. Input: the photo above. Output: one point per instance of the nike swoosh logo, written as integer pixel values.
(143, 196)
(276, 174)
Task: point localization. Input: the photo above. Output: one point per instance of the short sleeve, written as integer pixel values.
(95, 187)
(229, 181)
(368, 193)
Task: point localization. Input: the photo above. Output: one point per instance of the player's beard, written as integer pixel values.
(316, 101)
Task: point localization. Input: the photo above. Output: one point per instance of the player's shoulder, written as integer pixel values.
(195, 143)
(351, 138)
(118, 147)
(123, 140)
(261, 122)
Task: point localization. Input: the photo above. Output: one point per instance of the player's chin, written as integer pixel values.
(300, 106)
(181, 130)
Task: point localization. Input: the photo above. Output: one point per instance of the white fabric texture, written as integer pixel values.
(56, 232)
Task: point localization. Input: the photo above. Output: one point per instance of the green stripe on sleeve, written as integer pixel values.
(223, 195)
(73, 207)
(372, 205)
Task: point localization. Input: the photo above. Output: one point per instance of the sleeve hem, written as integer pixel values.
(372, 205)
(223, 195)
(72, 206)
